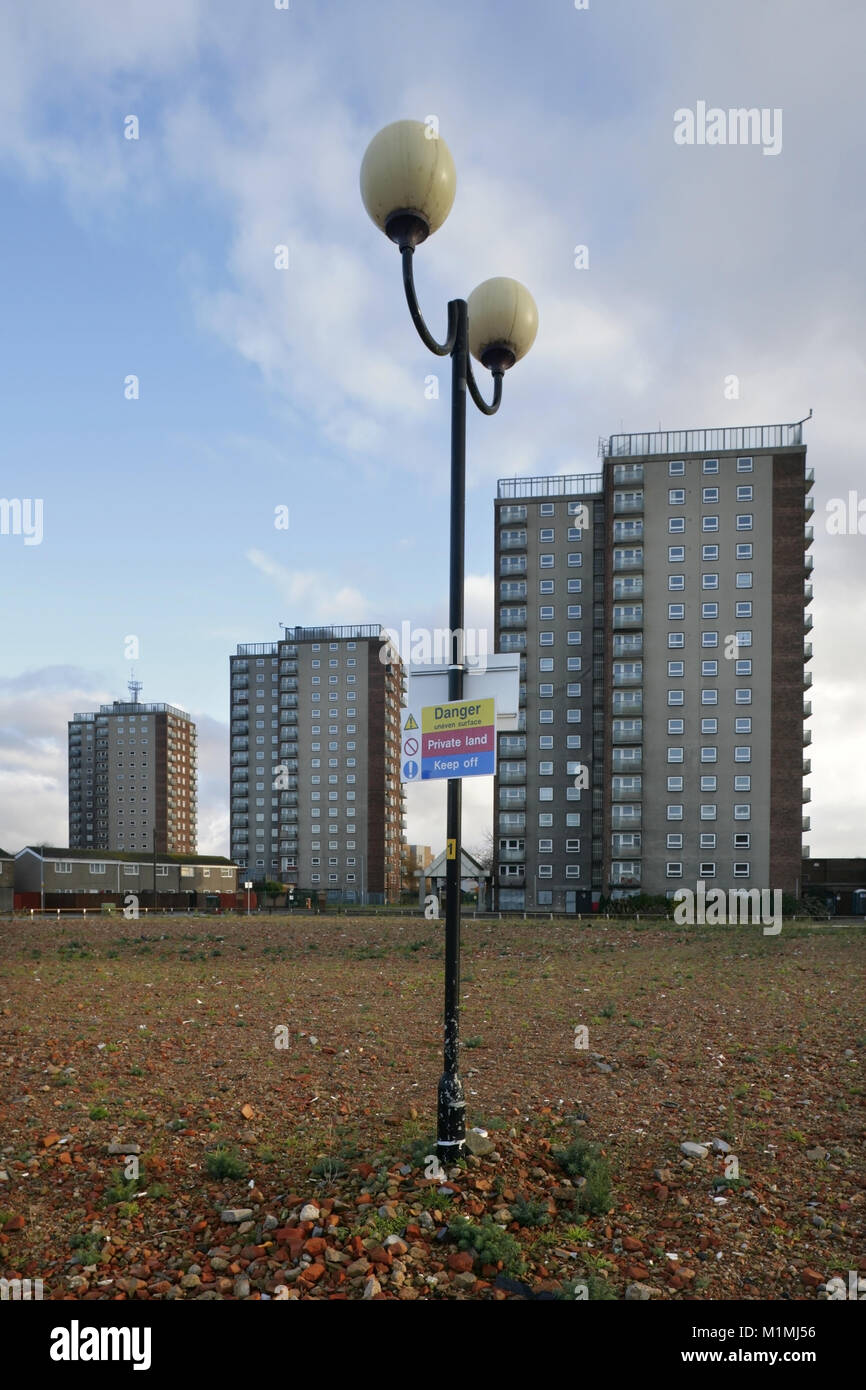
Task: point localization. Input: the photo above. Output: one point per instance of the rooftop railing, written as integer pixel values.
(557, 485)
(702, 441)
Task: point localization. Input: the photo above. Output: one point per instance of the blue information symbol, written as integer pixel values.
(410, 769)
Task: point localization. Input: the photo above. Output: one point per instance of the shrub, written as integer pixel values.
(488, 1243)
(529, 1213)
(585, 1160)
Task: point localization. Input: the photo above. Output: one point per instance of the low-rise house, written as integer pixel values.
(54, 877)
(7, 880)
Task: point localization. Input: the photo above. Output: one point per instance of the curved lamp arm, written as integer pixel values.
(441, 349)
(479, 400)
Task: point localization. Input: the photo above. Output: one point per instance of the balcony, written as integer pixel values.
(288, 668)
(627, 504)
(512, 589)
(625, 874)
(512, 879)
(509, 516)
(807, 622)
(627, 531)
(628, 645)
(511, 797)
(807, 709)
(807, 679)
(512, 564)
(808, 563)
(628, 617)
(512, 617)
(289, 701)
(627, 817)
(513, 856)
(627, 759)
(807, 737)
(809, 505)
(626, 793)
(627, 702)
(512, 540)
(807, 651)
(807, 766)
(240, 759)
(240, 682)
(628, 677)
(513, 641)
(807, 823)
(628, 559)
(625, 843)
(807, 592)
(512, 774)
(240, 744)
(511, 821)
(288, 683)
(809, 533)
(807, 794)
(625, 473)
(629, 588)
(511, 743)
(627, 731)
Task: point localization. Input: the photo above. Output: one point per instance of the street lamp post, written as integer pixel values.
(408, 183)
(248, 886)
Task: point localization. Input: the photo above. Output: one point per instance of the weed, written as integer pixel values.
(488, 1243)
(529, 1213)
(223, 1162)
(98, 1112)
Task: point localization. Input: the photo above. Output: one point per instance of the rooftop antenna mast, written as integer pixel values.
(134, 687)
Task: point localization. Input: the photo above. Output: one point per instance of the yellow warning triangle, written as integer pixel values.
(411, 722)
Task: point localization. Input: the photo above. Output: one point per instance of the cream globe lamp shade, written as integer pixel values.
(408, 181)
(503, 322)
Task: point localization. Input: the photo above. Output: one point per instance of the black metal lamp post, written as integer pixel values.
(408, 183)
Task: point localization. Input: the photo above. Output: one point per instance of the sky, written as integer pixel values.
(260, 388)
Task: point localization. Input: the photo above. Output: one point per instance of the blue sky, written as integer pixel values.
(305, 387)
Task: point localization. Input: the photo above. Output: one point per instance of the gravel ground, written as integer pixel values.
(274, 1083)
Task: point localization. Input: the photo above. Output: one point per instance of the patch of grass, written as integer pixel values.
(120, 1189)
(593, 1289)
(608, 1011)
(326, 1170)
(223, 1162)
(98, 1112)
(578, 1233)
(473, 1042)
(585, 1160)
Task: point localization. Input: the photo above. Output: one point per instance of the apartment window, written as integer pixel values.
(676, 697)
(545, 793)
(709, 581)
(545, 769)
(574, 663)
(575, 638)
(743, 696)
(676, 639)
(675, 755)
(744, 521)
(744, 579)
(545, 847)
(545, 820)
(545, 741)
(575, 560)
(709, 638)
(710, 696)
(709, 552)
(709, 668)
(572, 819)
(545, 613)
(743, 754)
(546, 509)
(709, 726)
(574, 586)
(710, 494)
(743, 812)
(676, 468)
(572, 846)
(744, 609)
(673, 869)
(745, 465)
(573, 690)
(572, 740)
(546, 534)
(742, 841)
(741, 869)
(745, 493)
(744, 639)
(545, 586)
(743, 668)
(707, 871)
(676, 524)
(743, 726)
(676, 668)
(676, 554)
(674, 812)
(744, 550)
(711, 465)
(545, 690)
(676, 581)
(675, 784)
(676, 496)
(575, 610)
(545, 562)
(545, 716)
(708, 811)
(676, 726)
(709, 784)
(545, 663)
(545, 639)
(572, 716)
(709, 523)
(100, 869)
(676, 612)
(545, 871)
(575, 533)
(66, 868)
